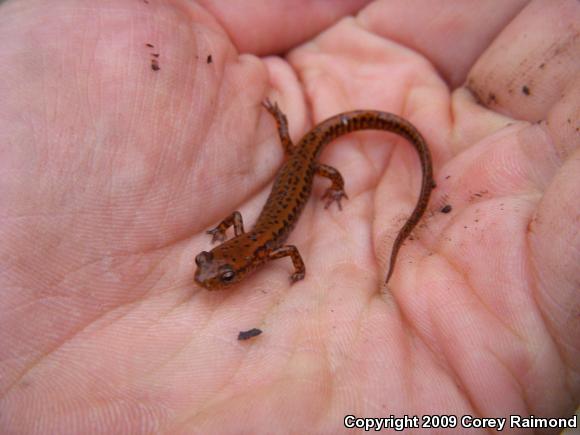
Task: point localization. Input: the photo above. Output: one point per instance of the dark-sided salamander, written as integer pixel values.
(231, 261)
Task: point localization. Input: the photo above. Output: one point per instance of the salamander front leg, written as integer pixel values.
(336, 191)
(281, 123)
(219, 233)
(292, 252)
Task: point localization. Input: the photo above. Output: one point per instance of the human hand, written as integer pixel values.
(111, 173)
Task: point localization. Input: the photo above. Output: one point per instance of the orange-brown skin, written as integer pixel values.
(231, 261)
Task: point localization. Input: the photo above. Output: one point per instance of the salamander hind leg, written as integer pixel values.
(281, 123)
(292, 252)
(335, 192)
(219, 233)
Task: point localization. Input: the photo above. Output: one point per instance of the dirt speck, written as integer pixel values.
(250, 333)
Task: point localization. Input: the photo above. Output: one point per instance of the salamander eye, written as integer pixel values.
(202, 258)
(228, 275)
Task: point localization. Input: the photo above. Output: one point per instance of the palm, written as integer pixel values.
(111, 173)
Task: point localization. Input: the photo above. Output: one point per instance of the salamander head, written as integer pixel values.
(219, 269)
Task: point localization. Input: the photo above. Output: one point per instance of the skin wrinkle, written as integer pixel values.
(457, 377)
(259, 187)
(159, 317)
(520, 386)
(207, 407)
(236, 398)
(406, 354)
(193, 415)
(439, 358)
(53, 349)
(477, 299)
(405, 322)
(484, 305)
(548, 329)
(187, 345)
(65, 339)
(327, 385)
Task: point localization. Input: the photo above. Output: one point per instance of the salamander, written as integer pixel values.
(229, 262)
